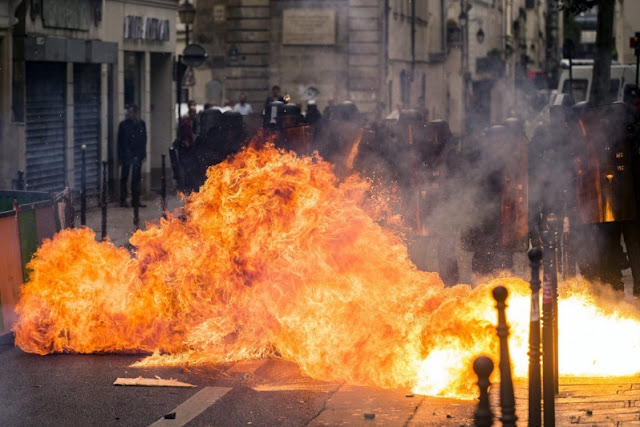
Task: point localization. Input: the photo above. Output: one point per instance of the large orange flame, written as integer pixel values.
(275, 257)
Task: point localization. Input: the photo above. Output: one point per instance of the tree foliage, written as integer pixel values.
(604, 42)
(574, 7)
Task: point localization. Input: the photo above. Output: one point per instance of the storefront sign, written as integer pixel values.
(308, 27)
(141, 28)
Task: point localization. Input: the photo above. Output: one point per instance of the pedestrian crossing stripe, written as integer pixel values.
(193, 407)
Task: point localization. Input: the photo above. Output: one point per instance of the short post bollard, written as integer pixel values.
(136, 217)
(535, 392)
(103, 200)
(163, 188)
(483, 417)
(507, 398)
(548, 371)
(83, 185)
(552, 220)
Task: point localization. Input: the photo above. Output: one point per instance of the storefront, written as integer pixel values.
(74, 65)
(58, 93)
(145, 36)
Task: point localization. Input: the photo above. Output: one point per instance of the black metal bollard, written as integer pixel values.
(83, 185)
(136, 218)
(103, 201)
(548, 370)
(69, 209)
(483, 417)
(507, 398)
(175, 166)
(568, 259)
(163, 188)
(552, 221)
(535, 392)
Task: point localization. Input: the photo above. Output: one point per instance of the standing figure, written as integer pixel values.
(313, 114)
(185, 145)
(243, 107)
(132, 150)
(189, 125)
(274, 96)
(431, 189)
(499, 180)
(605, 196)
(632, 229)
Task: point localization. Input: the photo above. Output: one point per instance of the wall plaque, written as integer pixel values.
(68, 14)
(219, 13)
(308, 27)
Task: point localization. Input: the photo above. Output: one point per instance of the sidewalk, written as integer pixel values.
(120, 220)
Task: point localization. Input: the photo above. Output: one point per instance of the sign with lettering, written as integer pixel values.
(141, 28)
(308, 27)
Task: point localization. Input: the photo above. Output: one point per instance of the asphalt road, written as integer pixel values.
(78, 390)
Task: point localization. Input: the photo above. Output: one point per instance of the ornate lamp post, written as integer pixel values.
(187, 14)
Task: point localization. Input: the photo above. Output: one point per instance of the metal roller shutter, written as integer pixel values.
(86, 124)
(45, 125)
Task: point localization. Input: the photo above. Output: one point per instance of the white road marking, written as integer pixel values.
(193, 406)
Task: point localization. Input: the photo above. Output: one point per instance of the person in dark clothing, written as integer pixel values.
(207, 146)
(275, 96)
(132, 150)
(189, 125)
(313, 114)
(187, 153)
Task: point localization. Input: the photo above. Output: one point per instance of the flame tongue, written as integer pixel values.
(273, 257)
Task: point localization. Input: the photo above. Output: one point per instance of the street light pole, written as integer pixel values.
(463, 20)
(186, 43)
(187, 14)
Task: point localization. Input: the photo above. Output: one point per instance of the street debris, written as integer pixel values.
(151, 382)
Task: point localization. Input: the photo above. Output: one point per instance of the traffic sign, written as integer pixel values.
(194, 55)
(189, 78)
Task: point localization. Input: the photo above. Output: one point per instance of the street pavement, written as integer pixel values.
(78, 390)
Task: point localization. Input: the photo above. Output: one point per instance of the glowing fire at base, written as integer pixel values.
(275, 257)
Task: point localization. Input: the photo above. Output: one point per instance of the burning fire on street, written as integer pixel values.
(274, 257)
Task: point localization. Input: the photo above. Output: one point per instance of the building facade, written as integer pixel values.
(380, 54)
(75, 64)
(371, 52)
(10, 131)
